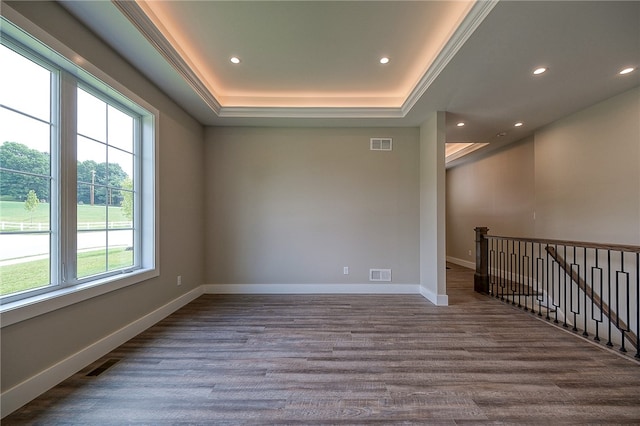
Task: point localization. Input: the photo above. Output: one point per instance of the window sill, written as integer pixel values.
(22, 310)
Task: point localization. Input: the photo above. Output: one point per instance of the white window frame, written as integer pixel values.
(69, 291)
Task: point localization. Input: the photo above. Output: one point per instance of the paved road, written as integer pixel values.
(20, 248)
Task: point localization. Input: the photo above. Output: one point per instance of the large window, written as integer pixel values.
(77, 182)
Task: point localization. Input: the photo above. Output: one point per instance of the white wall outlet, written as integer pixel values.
(469, 252)
(179, 281)
(345, 270)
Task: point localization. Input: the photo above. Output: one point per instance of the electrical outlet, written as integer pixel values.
(179, 282)
(469, 252)
(345, 270)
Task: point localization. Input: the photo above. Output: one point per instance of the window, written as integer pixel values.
(77, 180)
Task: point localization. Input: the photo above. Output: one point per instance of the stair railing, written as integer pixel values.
(591, 288)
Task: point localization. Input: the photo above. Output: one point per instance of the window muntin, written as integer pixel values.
(128, 142)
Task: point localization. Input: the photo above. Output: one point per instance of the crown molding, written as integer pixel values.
(471, 21)
(139, 18)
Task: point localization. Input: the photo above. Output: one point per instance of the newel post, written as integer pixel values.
(481, 277)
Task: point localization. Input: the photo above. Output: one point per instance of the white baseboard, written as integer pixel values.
(436, 299)
(22, 393)
(311, 289)
(461, 262)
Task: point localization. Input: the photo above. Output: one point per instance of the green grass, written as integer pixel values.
(14, 212)
(35, 273)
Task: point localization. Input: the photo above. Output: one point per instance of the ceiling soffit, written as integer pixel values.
(144, 19)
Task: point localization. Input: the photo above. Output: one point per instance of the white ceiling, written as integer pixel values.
(315, 63)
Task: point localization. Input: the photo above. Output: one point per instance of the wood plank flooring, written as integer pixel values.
(343, 359)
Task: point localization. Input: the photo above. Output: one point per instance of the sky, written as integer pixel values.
(26, 86)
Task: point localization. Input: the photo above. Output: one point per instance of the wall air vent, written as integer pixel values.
(379, 274)
(381, 144)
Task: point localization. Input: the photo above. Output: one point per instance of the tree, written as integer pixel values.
(127, 198)
(107, 182)
(31, 203)
(34, 165)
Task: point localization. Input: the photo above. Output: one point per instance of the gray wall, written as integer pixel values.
(31, 346)
(297, 205)
(587, 170)
(432, 210)
(580, 175)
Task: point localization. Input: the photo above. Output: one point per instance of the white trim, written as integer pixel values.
(471, 21)
(138, 15)
(22, 393)
(436, 299)
(24, 309)
(311, 289)
(461, 262)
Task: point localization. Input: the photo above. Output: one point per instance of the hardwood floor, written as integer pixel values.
(342, 359)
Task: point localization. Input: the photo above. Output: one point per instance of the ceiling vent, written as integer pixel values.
(381, 144)
(379, 274)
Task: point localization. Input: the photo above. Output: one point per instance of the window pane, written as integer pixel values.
(92, 116)
(120, 167)
(24, 85)
(120, 129)
(120, 249)
(126, 205)
(24, 262)
(90, 150)
(92, 256)
(91, 216)
(25, 174)
(24, 240)
(16, 186)
(105, 182)
(20, 129)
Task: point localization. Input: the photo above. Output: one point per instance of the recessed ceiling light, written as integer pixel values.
(235, 60)
(518, 124)
(460, 124)
(384, 60)
(627, 70)
(538, 71)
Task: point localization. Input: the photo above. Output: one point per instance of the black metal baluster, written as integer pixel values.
(573, 283)
(609, 297)
(620, 323)
(493, 285)
(549, 271)
(513, 277)
(594, 303)
(564, 289)
(555, 301)
(502, 269)
(637, 305)
(540, 272)
(586, 288)
(526, 271)
(519, 274)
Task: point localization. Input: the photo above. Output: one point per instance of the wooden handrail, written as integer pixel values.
(613, 317)
(618, 247)
(512, 263)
